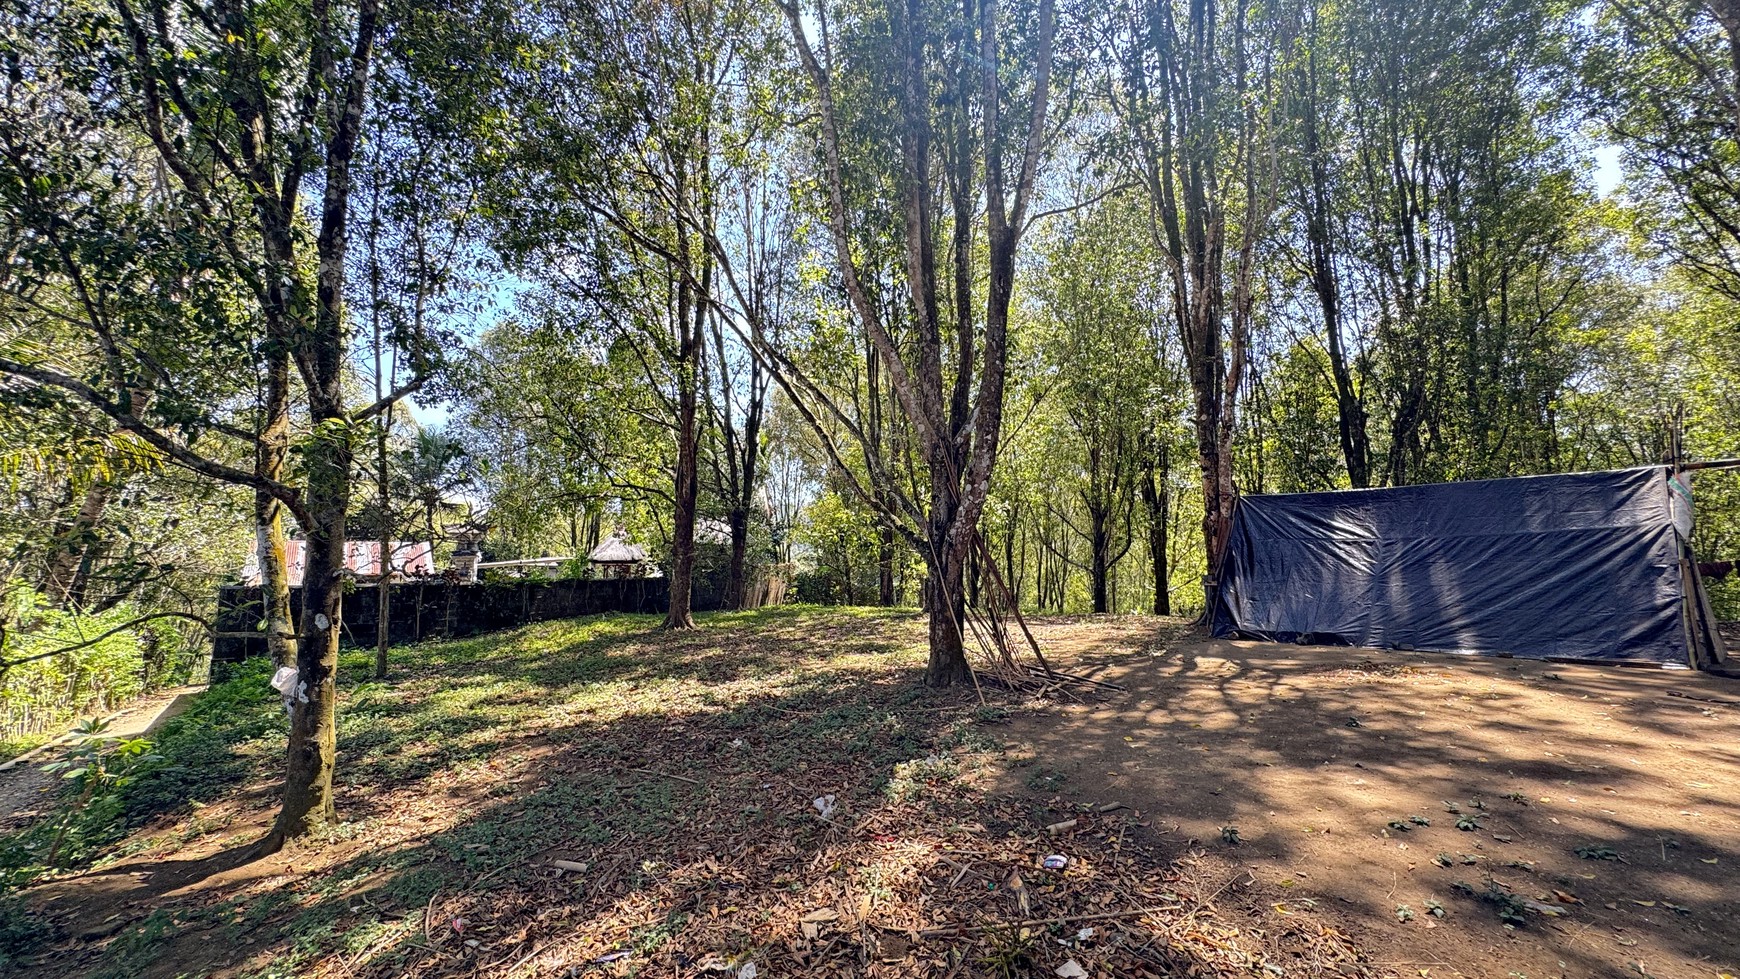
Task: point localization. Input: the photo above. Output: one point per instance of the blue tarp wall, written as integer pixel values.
(1580, 566)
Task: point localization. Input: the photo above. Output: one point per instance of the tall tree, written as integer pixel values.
(612, 197)
(237, 107)
(1097, 316)
(1195, 93)
(1664, 75)
(946, 369)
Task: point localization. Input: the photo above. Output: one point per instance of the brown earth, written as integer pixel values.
(1312, 752)
(678, 773)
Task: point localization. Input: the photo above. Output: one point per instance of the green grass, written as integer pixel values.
(534, 729)
(13, 747)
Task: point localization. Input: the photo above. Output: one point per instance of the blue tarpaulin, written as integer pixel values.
(1578, 566)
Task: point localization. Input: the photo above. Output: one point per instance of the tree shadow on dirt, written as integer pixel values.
(1323, 758)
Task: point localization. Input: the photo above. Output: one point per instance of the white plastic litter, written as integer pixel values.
(284, 680)
(1072, 970)
(825, 805)
(748, 972)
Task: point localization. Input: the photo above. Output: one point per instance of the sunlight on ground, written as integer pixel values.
(597, 795)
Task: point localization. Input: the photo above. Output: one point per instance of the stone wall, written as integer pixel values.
(441, 609)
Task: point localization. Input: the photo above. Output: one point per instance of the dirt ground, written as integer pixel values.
(604, 799)
(1321, 757)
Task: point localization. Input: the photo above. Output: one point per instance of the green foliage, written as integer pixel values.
(98, 766)
(22, 933)
(841, 544)
(44, 694)
(192, 760)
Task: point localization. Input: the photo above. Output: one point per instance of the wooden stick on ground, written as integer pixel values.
(680, 778)
(1033, 922)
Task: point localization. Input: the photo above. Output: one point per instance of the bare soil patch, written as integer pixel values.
(1340, 769)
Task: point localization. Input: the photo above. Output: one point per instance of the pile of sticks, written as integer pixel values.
(1001, 658)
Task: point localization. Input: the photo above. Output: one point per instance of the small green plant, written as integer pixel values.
(1434, 909)
(98, 766)
(1593, 852)
(1042, 780)
(1468, 824)
(1512, 910)
(1404, 913)
(1419, 820)
(1009, 952)
(912, 779)
(1230, 835)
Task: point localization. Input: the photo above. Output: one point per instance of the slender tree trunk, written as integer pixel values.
(384, 586)
(64, 579)
(682, 574)
(1320, 239)
(1099, 560)
(72, 540)
(885, 566)
(679, 615)
(1155, 498)
(736, 570)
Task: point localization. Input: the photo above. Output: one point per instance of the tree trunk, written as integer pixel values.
(269, 456)
(384, 586)
(313, 750)
(1099, 560)
(885, 566)
(736, 570)
(321, 353)
(63, 582)
(1319, 215)
(957, 425)
(948, 656)
(1155, 497)
(682, 575)
(72, 540)
(851, 594)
